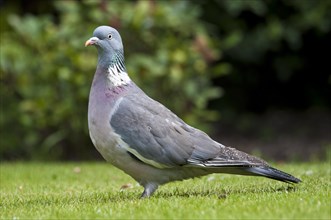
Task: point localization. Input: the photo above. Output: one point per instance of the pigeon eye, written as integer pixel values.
(110, 36)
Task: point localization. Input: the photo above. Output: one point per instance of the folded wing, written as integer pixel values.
(159, 138)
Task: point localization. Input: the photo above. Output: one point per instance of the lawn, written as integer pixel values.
(99, 191)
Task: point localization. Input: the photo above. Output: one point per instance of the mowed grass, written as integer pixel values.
(93, 191)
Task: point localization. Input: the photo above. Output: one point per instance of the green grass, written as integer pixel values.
(93, 191)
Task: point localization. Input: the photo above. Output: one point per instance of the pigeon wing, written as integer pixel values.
(156, 136)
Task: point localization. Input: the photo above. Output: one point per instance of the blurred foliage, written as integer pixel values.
(276, 51)
(181, 53)
(46, 72)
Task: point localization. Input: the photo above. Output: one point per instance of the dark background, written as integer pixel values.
(253, 74)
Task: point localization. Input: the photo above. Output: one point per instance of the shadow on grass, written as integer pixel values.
(224, 193)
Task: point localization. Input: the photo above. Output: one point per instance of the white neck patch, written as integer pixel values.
(117, 77)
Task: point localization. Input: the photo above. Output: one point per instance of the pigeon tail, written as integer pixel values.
(272, 173)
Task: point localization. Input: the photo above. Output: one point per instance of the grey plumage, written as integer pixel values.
(146, 140)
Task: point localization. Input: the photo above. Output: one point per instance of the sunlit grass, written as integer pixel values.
(93, 190)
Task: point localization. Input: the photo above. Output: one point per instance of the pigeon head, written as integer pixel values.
(109, 44)
(106, 39)
(110, 54)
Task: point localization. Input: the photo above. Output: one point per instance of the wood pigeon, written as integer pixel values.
(144, 138)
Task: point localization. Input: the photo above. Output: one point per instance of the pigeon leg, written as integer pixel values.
(149, 189)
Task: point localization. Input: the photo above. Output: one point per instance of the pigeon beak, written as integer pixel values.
(91, 41)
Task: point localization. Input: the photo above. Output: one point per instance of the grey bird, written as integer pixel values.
(145, 139)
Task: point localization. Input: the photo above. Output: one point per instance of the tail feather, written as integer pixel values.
(254, 167)
(272, 173)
